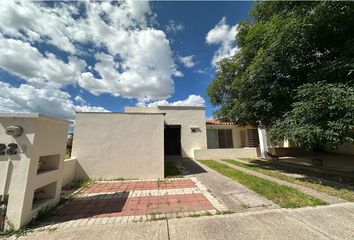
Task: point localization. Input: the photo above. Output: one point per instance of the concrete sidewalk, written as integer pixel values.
(232, 194)
(326, 222)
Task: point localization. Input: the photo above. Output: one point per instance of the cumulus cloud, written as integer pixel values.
(48, 46)
(137, 55)
(21, 59)
(192, 100)
(187, 61)
(222, 35)
(80, 100)
(144, 72)
(59, 25)
(49, 101)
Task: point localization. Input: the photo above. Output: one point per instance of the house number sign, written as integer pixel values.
(10, 149)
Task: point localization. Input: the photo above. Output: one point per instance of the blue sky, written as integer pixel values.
(58, 58)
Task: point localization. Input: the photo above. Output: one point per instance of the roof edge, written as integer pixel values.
(33, 115)
(131, 113)
(182, 107)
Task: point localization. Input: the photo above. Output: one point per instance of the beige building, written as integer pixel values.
(32, 149)
(119, 145)
(184, 128)
(134, 144)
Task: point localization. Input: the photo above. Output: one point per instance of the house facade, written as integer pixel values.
(184, 128)
(135, 142)
(227, 135)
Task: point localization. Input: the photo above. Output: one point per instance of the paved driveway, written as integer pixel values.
(135, 200)
(232, 194)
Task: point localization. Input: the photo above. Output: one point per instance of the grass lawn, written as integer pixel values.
(171, 171)
(284, 196)
(264, 167)
(303, 171)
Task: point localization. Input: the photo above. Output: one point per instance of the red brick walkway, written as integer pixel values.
(138, 185)
(135, 198)
(133, 206)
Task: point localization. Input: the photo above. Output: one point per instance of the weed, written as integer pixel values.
(223, 212)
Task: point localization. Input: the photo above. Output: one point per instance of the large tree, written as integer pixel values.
(282, 47)
(323, 113)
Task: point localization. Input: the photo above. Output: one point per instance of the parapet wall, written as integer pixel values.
(226, 153)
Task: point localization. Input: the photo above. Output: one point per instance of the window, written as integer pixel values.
(249, 138)
(225, 138)
(253, 140)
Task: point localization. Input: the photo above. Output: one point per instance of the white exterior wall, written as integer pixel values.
(185, 116)
(42, 136)
(226, 153)
(263, 141)
(69, 171)
(119, 145)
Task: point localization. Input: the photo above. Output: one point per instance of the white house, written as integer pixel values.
(134, 144)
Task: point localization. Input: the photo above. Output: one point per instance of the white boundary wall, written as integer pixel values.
(29, 188)
(119, 145)
(226, 153)
(69, 171)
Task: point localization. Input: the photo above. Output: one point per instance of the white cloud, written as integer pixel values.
(178, 74)
(80, 100)
(36, 21)
(137, 62)
(21, 59)
(49, 101)
(187, 61)
(174, 27)
(224, 36)
(192, 100)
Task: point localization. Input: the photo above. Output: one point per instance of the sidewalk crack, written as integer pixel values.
(168, 230)
(310, 226)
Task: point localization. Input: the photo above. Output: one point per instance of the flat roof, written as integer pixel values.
(33, 115)
(134, 113)
(168, 107)
(182, 107)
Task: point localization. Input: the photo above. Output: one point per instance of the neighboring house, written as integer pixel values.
(133, 144)
(227, 135)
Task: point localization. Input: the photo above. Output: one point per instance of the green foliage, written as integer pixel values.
(12, 232)
(80, 183)
(284, 46)
(322, 114)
